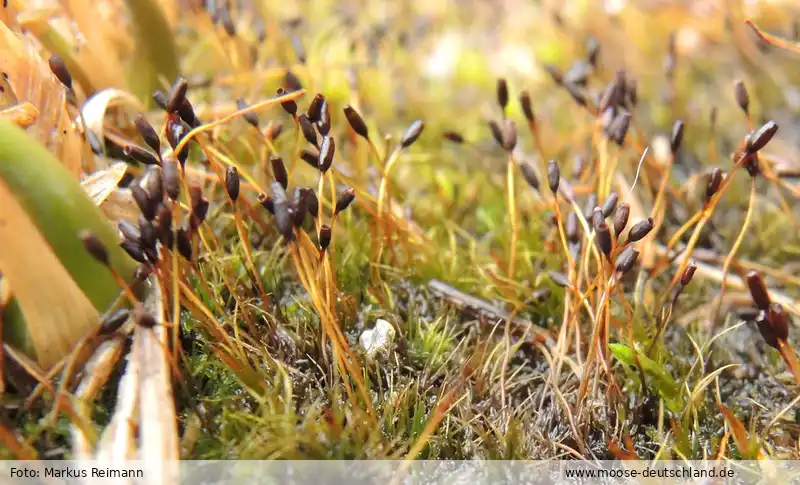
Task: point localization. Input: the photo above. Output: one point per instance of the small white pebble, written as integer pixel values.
(378, 340)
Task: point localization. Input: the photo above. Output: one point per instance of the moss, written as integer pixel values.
(272, 388)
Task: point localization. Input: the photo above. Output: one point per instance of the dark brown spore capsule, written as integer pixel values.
(529, 175)
(143, 201)
(572, 227)
(780, 320)
(765, 329)
(292, 82)
(279, 171)
(160, 98)
(626, 260)
(758, 290)
(148, 133)
(283, 217)
(134, 250)
(610, 204)
(677, 137)
(344, 200)
(453, 136)
(224, 18)
(310, 158)
(412, 133)
(593, 51)
(609, 98)
(114, 322)
(299, 50)
(307, 127)
(266, 202)
(620, 79)
(184, 243)
(299, 208)
(315, 108)
(356, 122)
(155, 183)
(164, 225)
(589, 206)
(172, 179)
(619, 128)
(509, 135)
(273, 131)
(555, 74)
(595, 218)
(773, 324)
(602, 238)
(176, 131)
(128, 230)
(186, 113)
(142, 272)
(288, 106)
(177, 94)
(578, 73)
(762, 136)
(312, 203)
(139, 154)
(560, 279)
(752, 165)
(576, 93)
(541, 295)
(149, 236)
(577, 166)
(232, 182)
(59, 69)
(195, 196)
(144, 318)
(553, 176)
(324, 122)
(497, 132)
(633, 90)
(199, 213)
(325, 235)
(502, 94)
(607, 119)
(527, 106)
(688, 273)
(621, 218)
(250, 117)
(326, 152)
(94, 246)
(640, 230)
(714, 182)
(742, 97)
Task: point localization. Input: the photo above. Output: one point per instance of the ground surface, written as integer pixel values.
(460, 380)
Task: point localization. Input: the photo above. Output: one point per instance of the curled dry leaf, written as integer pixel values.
(29, 81)
(116, 203)
(102, 103)
(102, 183)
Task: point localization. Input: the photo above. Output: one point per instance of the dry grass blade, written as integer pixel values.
(96, 373)
(155, 60)
(64, 315)
(117, 443)
(159, 446)
(94, 44)
(145, 402)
